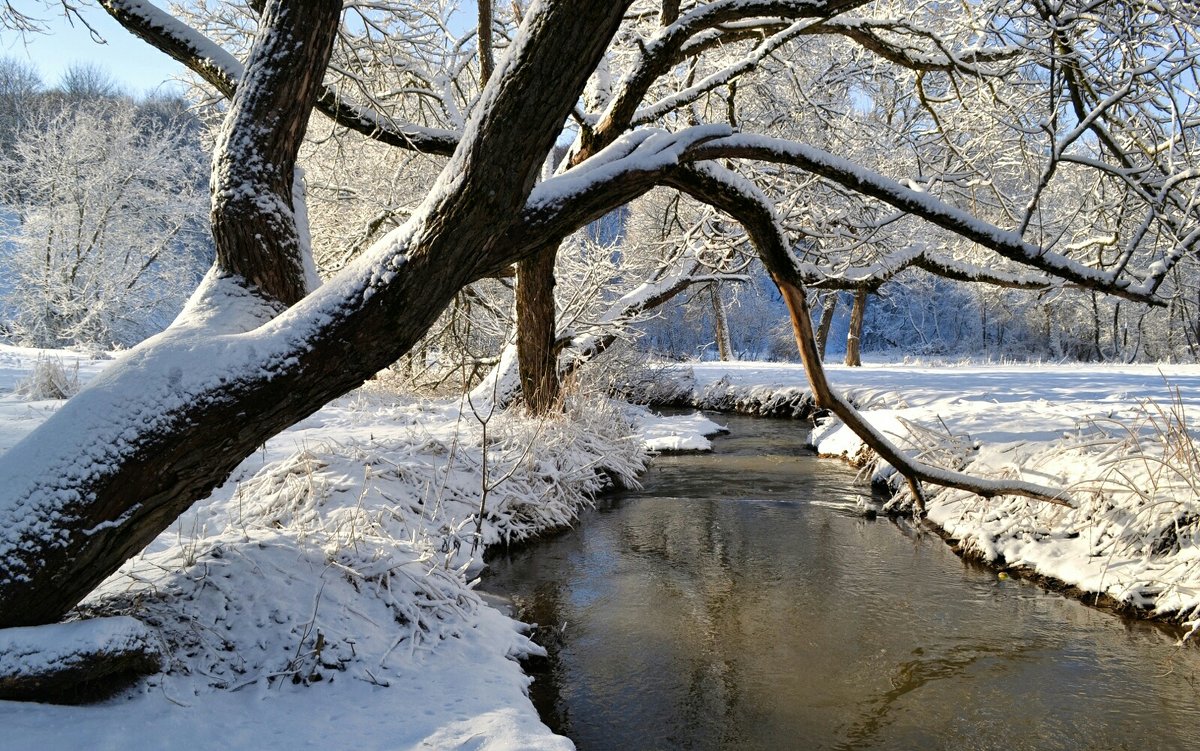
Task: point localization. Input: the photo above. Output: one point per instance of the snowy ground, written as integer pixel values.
(1117, 437)
(320, 599)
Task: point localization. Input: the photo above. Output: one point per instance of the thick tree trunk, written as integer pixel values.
(536, 319)
(172, 418)
(827, 311)
(253, 220)
(854, 339)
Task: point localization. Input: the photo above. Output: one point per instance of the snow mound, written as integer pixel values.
(332, 577)
(65, 647)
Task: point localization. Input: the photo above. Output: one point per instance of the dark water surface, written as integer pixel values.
(737, 602)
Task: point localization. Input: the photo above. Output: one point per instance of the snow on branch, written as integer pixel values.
(887, 267)
(686, 270)
(720, 78)
(223, 71)
(1007, 243)
(866, 33)
(647, 150)
(168, 34)
(662, 51)
(626, 169)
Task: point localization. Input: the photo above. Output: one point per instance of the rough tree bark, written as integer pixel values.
(253, 224)
(172, 418)
(536, 324)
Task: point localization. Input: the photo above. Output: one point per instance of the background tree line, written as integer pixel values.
(104, 231)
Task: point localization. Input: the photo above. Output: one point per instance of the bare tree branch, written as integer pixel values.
(733, 195)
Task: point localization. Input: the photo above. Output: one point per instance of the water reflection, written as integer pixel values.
(735, 603)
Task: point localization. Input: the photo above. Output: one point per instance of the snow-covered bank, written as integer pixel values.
(321, 597)
(1116, 436)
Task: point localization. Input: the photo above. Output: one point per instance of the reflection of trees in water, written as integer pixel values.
(731, 598)
(877, 713)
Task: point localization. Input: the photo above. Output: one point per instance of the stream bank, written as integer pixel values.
(1117, 437)
(740, 600)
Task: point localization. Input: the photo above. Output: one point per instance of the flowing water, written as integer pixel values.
(739, 602)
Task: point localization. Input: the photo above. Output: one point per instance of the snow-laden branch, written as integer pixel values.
(188, 46)
(223, 71)
(658, 109)
(661, 52)
(685, 271)
(874, 274)
(1007, 243)
(866, 33)
(641, 159)
(1128, 103)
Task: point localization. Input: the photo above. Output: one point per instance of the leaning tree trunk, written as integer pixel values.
(854, 338)
(172, 418)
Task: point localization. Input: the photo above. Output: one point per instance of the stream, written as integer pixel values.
(738, 601)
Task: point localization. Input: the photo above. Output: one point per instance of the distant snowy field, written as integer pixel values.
(1096, 430)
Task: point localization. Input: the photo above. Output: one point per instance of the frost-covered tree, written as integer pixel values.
(104, 237)
(19, 88)
(256, 351)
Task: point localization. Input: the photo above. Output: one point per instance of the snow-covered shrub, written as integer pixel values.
(49, 379)
(1148, 501)
(350, 558)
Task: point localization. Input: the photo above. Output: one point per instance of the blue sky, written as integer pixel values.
(137, 66)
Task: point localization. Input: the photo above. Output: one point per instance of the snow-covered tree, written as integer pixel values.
(105, 235)
(19, 87)
(254, 353)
